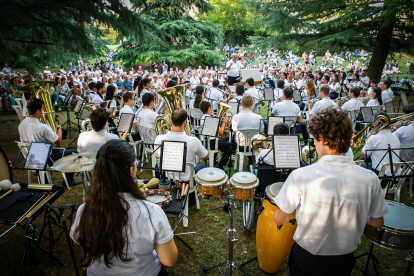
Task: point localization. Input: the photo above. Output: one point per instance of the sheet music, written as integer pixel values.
(272, 122)
(37, 156)
(367, 114)
(286, 151)
(268, 94)
(210, 126)
(233, 107)
(78, 106)
(125, 122)
(104, 104)
(173, 157)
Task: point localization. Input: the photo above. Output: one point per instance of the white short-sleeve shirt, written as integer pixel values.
(148, 225)
(373, 102)
(352, 104)
(322, 104)
(406, 136)
(286, 108)
(32, 130)
(215, 95)
(194, 148)
(234, 69)
(91, 141)
(333, 199)
(246, 120)
(381, 141)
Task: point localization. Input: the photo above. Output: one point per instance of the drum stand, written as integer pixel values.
(368, 264)
(230, 234)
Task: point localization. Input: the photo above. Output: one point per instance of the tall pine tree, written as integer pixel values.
(185, 40)
(377, 26)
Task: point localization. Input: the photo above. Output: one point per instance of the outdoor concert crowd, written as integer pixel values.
(322, 102)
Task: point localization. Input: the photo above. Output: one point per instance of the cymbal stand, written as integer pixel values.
(231, 265)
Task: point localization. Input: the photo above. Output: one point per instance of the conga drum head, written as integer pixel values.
(244, 180)
(211, 177)
(272, 191)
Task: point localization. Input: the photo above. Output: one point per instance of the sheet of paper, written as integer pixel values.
(125, 122)
(78, 106)
(233, 107)
(286, 151)
(268, 94)
(210, 126)
(173, 156)
(37, 156)
(272, 122)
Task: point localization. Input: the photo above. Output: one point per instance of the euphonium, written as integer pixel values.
(174, 97)
(313, 101)
(221, 113)
(308, 152)
(259, 141)
(343, 100)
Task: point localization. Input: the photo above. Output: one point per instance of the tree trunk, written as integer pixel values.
(380, 53)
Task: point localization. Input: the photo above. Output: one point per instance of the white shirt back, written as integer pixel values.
(91, 141)
(32, 130)
(286, 108)
(352, 104)
(215, 95)
(406, 136)
(323, 104)
(333, 199)
(246, 120)
(148, 225)
(381, 141)
(373, 102)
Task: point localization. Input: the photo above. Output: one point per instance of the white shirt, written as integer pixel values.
(373, 102)
(147, 118)
(352, 104)
(254, 93)
(91, 141)
(112, 104)
(63, 89)
(215, 95)
(297, 84)
(234, 69)
(32, 130)
(337, 85)
(381, 141)
(194, 148)
(322, 104)
(148, 225)
(195, 80)
(24, 111)
(406, 136)
(356, 84)
(96, 98)
(387, 95)
(286, 108)
(333, 199)
(366, 80)
(246, 120)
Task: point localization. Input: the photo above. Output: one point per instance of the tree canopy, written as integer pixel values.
(33, 31)
(379, 26)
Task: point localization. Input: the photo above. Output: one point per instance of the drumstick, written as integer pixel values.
(14, 188)
(34, 205)
(40, 205)
(182, 189)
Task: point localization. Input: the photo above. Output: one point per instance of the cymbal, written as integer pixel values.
(79, 162)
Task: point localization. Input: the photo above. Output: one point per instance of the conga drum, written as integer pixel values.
(210, 182)
(273, 245)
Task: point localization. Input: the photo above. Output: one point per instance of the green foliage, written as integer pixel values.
(185, 41)
(236, 19)
(39, 31)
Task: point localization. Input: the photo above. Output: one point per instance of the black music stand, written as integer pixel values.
(68, 104)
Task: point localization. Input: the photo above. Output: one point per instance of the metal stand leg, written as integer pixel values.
(410, 260)
(368, 264)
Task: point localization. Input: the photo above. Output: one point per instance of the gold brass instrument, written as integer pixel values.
(309, 152)
(359, 139)
(120, 100)
(41, 91)
(313, 101)
(403, 120)
(174, 97)
(343, 100)
(221, 113)
(259, 141)
(365, 100)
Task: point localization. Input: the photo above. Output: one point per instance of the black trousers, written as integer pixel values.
(226, 148)
(303, 263)
(232, 80)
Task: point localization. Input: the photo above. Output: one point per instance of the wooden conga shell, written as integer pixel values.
(273, 246)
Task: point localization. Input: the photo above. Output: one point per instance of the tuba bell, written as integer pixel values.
(221, 113)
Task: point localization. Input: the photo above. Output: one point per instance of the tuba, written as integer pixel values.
(259, 141)
(174, 97)
(221, 113)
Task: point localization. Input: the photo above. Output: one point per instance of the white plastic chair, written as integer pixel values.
(196, 114)
(148, 136)
(211, 152)
(19, 102)
(400, 169)
(243, 138)
(24, 149)
(18, 111)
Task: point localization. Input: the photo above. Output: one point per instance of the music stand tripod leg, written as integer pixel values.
(410, 260)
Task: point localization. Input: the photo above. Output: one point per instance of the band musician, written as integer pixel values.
(233, 68)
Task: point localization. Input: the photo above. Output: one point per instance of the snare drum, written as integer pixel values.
(398, 230)
(5, 166)
(273, 245)
(210, 182)
(159, 197)
(243, 185)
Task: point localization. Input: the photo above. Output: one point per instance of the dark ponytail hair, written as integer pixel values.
(102, 229)
(378, 94)
(199, 96)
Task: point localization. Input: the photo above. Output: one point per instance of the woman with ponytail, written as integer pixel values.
(119, 231)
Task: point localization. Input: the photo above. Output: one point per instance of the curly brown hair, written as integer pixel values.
(310, 86)
(335, 128)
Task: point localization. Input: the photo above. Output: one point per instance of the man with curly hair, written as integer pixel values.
(334, 199)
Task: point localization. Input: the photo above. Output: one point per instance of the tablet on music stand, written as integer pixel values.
(273, 120)
(67, 99)
(268, 94)
(367, 114)
(125, 122)
(211, 126)
(37, 156)
(104, 104)
(286, 151)
(78, 106)
(173, 156)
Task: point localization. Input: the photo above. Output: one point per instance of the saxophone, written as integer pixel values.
(174, 97)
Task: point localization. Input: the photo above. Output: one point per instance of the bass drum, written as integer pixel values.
(273, 244)
(6, 171)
